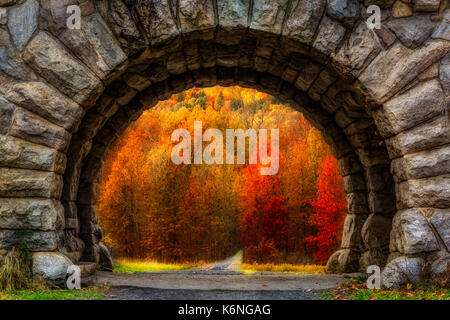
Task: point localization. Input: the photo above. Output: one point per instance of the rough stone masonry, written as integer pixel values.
(380, 98)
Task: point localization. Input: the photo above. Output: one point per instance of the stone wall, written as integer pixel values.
(380, 98)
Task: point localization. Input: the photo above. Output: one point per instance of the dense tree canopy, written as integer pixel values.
(151, 208)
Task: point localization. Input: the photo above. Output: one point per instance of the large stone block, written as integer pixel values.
(358, 49)
(303, 20)
(268, 15)
(344, 260)
(351, 237)
(233, 20)
(422, 164)
(47, 102)
(11, 62)
(30, 127)
(197, 16)
(29, 183)
(428, 192)
(120, 19)
(156, 19)
(402, 270)
(411, 233)
(357, 203)
(394, 68)
(412, 31)
(52, 61)
(354, 182)
(17, 153)
(426, 5)
(345, 11)
(376, 231)
(32, 241)
(382, 203)
(411, 108)
(27, 213)
(95, 45)
(429, 135)
(22, 22)
(440, 220)
(374, 256)
(328, 37)
(51, 267)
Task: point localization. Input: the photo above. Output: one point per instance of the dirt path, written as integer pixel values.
(212, 284)
(231, 264)
(216, 281)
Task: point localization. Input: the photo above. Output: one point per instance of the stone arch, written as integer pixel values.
(380, 98)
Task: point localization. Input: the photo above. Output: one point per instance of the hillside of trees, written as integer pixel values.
(151, 208)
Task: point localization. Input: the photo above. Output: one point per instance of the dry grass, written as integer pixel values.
(132, 266)
(284, 268)
(15, 272)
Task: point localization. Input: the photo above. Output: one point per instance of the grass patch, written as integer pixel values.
(15, 272)
(132, 266)
(90, 293)
(356, 289)
(283, 268)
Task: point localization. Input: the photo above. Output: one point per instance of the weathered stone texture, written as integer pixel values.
(412, 31)
(29, 183)
(345, 11)
(411, 108)
(432, 134)
(440, 220)
(47, 102)
(49, 59)
(376, 231)
(422, 164)
(429, 192)
(156, 19)
(411, 233)
(303, 20)
(95, 45)
(51, 266)
(352, 232)
(360, 46)
(396, 67)
(22, 22)
(28, 213)
(268, 15)
(401, 271)
(121, 21)
(34, 241)
(17, 153)
(196, 15)
(30, 127)
(375, 95)
(328, 37)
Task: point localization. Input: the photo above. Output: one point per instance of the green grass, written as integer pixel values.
(91, 293)
(355, 289)
(422, 294)
(283, 268)
(132, 266)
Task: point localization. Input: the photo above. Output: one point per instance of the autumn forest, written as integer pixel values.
(151, 208)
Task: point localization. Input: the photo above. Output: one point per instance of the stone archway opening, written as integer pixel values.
(209, 203)
(380, 98)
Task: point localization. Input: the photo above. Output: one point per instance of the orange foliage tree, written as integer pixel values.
(152, 208)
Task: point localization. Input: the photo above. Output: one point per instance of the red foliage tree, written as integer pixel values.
(330, 210)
